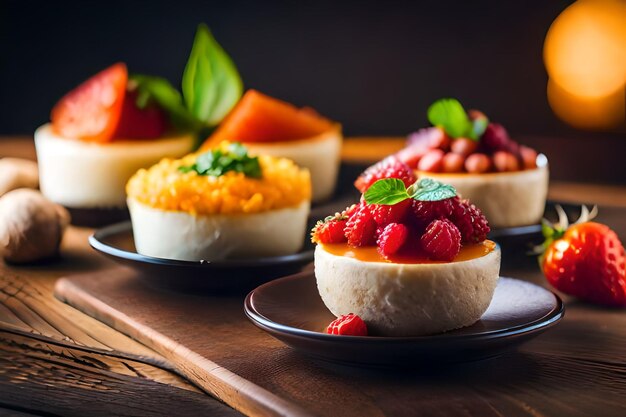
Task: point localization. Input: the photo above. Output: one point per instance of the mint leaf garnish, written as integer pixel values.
(211, 84)
(218, 161)
(449, 114)
(390, 191)
(479, 126)
(428, 189)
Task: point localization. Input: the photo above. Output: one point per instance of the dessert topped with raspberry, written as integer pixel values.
(508, 181)
(411, 258)
(403, 220)
(461, 141)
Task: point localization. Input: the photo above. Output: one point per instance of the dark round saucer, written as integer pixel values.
(116, 242)
(291, 310)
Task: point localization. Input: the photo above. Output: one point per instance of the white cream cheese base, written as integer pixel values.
(507, 199)
(407, 299)
(81, 174)
(320, 154)
(183, 236)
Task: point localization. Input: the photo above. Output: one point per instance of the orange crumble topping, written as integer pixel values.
(283, 184)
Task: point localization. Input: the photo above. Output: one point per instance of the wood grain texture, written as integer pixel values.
(33, 322)
(45, 377)
(575, 369)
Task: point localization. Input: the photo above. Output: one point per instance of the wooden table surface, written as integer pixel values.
(57, 361)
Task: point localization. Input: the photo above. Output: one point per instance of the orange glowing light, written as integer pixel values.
(585, 56)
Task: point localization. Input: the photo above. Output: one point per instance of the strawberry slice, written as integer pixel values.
(92, 110)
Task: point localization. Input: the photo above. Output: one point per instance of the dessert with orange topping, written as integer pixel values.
(223, 203)
(508, 181)
(268, 126)
(411, 258)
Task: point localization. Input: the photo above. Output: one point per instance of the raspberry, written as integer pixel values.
(390, 167)
(330, 230)
(361, 227)
(430, 137)
(427, 211)
(471, 222)
(495, 138)
(392, 238)
(441, 240)
(348, 325)
(383, 215)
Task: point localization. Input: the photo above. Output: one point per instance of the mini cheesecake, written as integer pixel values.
(319, 154)
(98, 137)
(85, 175)
(268, 126)
(407, 299)
(506, 180)
(507, 199)
(186, 214)
(410, 259)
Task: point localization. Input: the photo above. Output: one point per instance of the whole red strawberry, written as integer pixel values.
(586, 260)
(329, 230)
(348, 325)
(390, 167)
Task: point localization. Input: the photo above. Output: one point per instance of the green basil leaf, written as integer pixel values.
(211, 84)
(428, 189)
(388, 191)
(449, 114)
(160, 91)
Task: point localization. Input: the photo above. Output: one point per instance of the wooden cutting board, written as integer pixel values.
(575, 369)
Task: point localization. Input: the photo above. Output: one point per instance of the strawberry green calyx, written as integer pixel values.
(554, 231)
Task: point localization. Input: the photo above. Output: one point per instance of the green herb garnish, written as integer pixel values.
(390, 191)
(449, 114)
(211, 86)
(159, 90)
(211, 83)
(218, 161)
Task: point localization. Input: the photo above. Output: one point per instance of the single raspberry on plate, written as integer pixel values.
(329, 230)
(427, 211)
(348, 325)
(392, 238)
(361, 227)
(471, 222)
(390, 167)
(385, 214)
(441, 240)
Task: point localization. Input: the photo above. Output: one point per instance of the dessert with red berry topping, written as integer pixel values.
(115, 123)
(411, 258)
(508, 181)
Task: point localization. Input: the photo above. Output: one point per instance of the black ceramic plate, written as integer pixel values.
(291, 310)
(116, 242)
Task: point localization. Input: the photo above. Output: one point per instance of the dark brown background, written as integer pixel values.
(374, 66)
